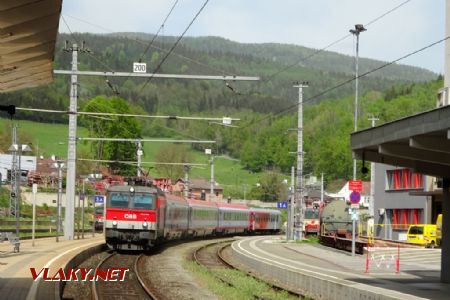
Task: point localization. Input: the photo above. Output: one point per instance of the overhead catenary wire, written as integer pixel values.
(99, 114)
(174, 46)
(347, 81)
(123, 115)
(88, 52)
(143, 162)
(137, 40)
(110, 85)
(270, 77)
(159, 29)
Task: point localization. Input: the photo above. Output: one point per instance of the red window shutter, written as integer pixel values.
(417, 180)
(394, 218)
(416, 216)
(406, 183)
(396, 180)
(405, 218)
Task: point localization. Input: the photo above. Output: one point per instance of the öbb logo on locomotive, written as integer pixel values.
(130, 216)
(139, 217)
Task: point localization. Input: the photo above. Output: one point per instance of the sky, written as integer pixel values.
(310, 23)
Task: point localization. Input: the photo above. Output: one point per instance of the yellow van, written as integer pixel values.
(439, 229)
(423, 234)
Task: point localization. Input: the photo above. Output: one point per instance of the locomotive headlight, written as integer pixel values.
(114, 223)
(145, 224)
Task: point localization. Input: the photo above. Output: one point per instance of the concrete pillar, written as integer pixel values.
(445, 243)
(447, 45)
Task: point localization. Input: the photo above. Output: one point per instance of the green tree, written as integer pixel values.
(272, 187)
(172, 154)
(113, 127)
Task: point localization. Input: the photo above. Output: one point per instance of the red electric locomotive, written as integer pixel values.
(131, 216)
(138, 217)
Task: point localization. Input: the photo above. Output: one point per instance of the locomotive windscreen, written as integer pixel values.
(119, 200)
(143, 201)
(135, 201)
(311, 214)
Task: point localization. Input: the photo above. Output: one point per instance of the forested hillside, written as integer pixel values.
(207, 56)
(260, 145)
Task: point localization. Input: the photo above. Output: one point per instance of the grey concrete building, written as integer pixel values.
(400, 200)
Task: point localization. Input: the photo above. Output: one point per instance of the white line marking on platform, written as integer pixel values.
(34, 286)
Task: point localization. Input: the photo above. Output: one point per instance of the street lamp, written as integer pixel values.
(358, 29)
(59, 164)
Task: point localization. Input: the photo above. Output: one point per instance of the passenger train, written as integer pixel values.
(138, 217)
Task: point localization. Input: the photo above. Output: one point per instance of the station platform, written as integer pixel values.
(16, 281)
(326, 273)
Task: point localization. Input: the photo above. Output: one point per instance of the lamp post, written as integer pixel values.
(300, 211)
(212, 181)
(358, 29)
(16, 174)
(59, 164)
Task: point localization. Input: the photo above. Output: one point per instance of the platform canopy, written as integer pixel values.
(28, 30)
(421, 142)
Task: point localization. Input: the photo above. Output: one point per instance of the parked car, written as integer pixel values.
(423, 234)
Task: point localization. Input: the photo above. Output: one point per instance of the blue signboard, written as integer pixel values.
(355, 197)
(282, 205)
(99, 198)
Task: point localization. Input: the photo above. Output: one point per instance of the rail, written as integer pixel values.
(132, 288)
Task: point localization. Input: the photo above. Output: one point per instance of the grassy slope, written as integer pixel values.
(52, 140)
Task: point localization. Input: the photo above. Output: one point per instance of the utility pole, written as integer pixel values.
(358, 29)
(211, 192)
(187, 168)
(292, 206)
(321, 192)
(78, 217)
(13, 199)
(299, 216)
(72, 146)
(82, 212)
(139, 158)
(59, 164)
(372, 178)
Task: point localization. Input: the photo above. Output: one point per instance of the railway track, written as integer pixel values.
(211, 256)
(132, 287)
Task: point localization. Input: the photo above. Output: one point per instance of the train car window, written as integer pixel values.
(119, 200)
(143, 201)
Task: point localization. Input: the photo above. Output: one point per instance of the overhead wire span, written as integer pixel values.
(124, 115)
(143, 162)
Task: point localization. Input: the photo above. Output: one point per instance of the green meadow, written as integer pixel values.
(51, 139)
